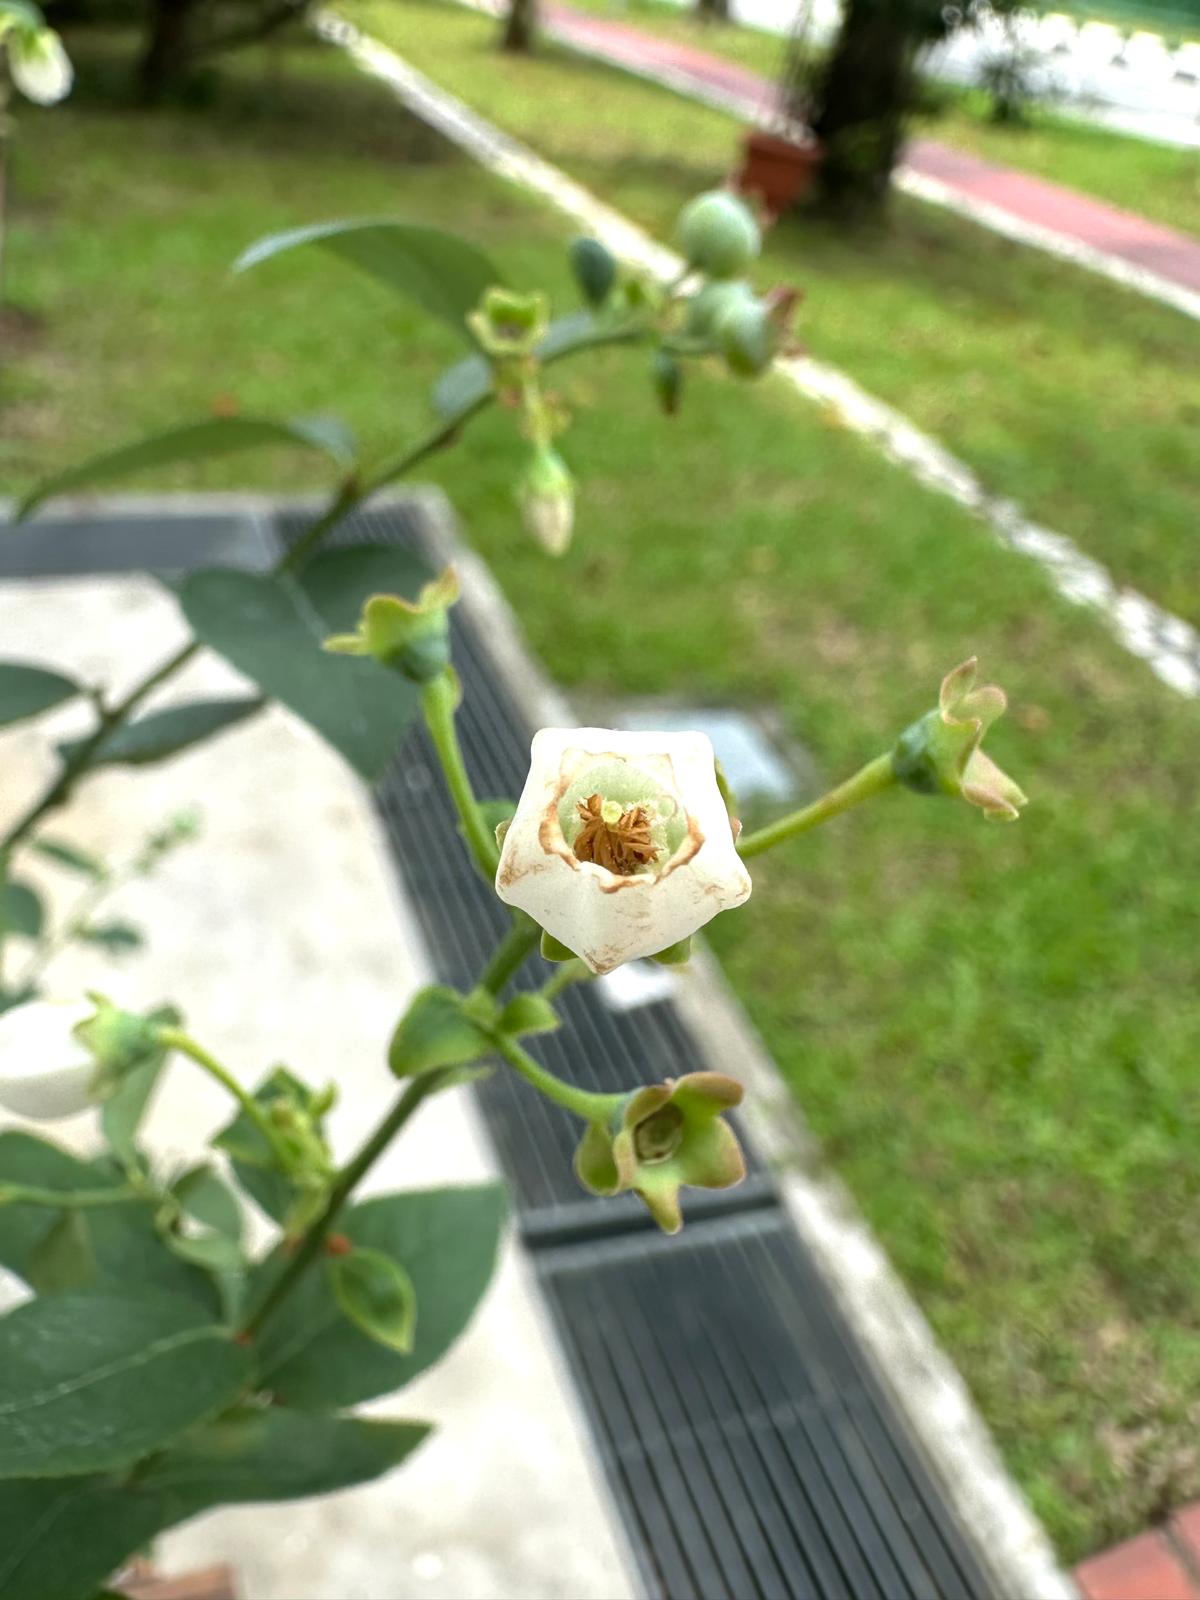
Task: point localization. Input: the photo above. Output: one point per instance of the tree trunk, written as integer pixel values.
(520, 26)
(712, 10)
(167, 54)
(862, 98)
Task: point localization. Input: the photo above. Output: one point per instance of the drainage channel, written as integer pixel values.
(750, 1448)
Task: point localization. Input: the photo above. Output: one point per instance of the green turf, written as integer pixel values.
(1078, 399)
(993, 1029)
(1155, 180)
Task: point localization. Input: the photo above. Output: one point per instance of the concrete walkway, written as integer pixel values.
(281, 935)
(1155, 260)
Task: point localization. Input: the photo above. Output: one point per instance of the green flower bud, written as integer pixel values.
(546, 496)
(940, 753)
(412, 638)
(718, 235)
(595, 270)
(507, 324)
(666, 1135)
(667, 376)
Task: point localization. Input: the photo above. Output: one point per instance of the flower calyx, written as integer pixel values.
(940, 753)
(664, 1137)
(411, 637)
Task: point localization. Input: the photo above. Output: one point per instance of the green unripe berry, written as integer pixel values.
(708, 307)
(748, 338)
(718, 235)
(595, 270)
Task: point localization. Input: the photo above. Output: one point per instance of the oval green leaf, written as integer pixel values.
(442, 273)
(90, 1382)
(166, 733)
(196, 441)
(27, 691)
(377, 1295)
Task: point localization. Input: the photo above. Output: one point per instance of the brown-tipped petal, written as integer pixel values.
(983, 705)
(712, 1158)
(708, 1090)
(993, 791)
(646, 1102)
(659, 1193)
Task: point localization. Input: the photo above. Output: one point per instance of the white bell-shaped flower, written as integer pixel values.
(45, 1072)
(621, 845)
(40, 67)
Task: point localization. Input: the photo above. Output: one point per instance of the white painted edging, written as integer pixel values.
(924, 1383)
(1169, 645)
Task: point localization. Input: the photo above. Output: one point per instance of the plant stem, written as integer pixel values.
(347, 1181)
(176, 1039)
(581, 1102)
(23, 1194)
(510, 954)
(569, 972)
(872, 779)
(438, 700)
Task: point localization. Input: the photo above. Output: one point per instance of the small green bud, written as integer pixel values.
(718, 235)
(595, 270)
(412, 638)
(546, 496)
(667, 376)
(507, 324)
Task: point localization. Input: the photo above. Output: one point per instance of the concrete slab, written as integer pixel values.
(282, 935)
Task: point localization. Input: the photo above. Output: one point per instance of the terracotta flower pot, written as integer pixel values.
(778, 170)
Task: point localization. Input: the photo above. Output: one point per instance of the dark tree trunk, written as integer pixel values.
(168, 48)
(862, 98)
(520, 26)
(712, 10)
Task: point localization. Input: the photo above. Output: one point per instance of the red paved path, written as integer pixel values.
(1130, 238)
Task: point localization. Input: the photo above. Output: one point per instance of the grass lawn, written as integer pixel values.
(1077, 398)
(1157, 181)
(992, 1029)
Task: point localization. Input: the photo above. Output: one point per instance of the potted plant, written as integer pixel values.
(780, 157)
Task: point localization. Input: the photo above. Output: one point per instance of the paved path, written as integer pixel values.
(1156, 260)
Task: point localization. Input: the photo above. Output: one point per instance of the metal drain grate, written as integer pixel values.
(750, 1447)
(751, 1450)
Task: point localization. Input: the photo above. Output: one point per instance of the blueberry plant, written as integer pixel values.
(157, 1365)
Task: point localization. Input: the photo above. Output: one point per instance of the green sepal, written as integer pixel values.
(554, 950)
(675, 955)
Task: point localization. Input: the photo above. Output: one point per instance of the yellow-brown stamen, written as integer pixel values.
(620, 844)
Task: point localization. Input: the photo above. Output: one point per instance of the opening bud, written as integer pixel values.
(508, 324)
(409, 637)
(546, 496)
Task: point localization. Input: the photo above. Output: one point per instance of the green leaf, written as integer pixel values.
(38, 1164)
(71, 857)
(209, 1200)
(93, 1381)
(435, 1031)
(28, 691)
(166, 733)
(196, 441)
(212, 1252)
(115, 937)
(528, 1013)
(59, 1537)
(121, 1114)
(124, 1242)
(64, 1258)
(461, 387)
(377, 1295)
(20, 910)
(442, 273)
(273, 630)
(314, 1359)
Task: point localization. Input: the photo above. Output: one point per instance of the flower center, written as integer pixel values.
(618, 839)
(658, 1138)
